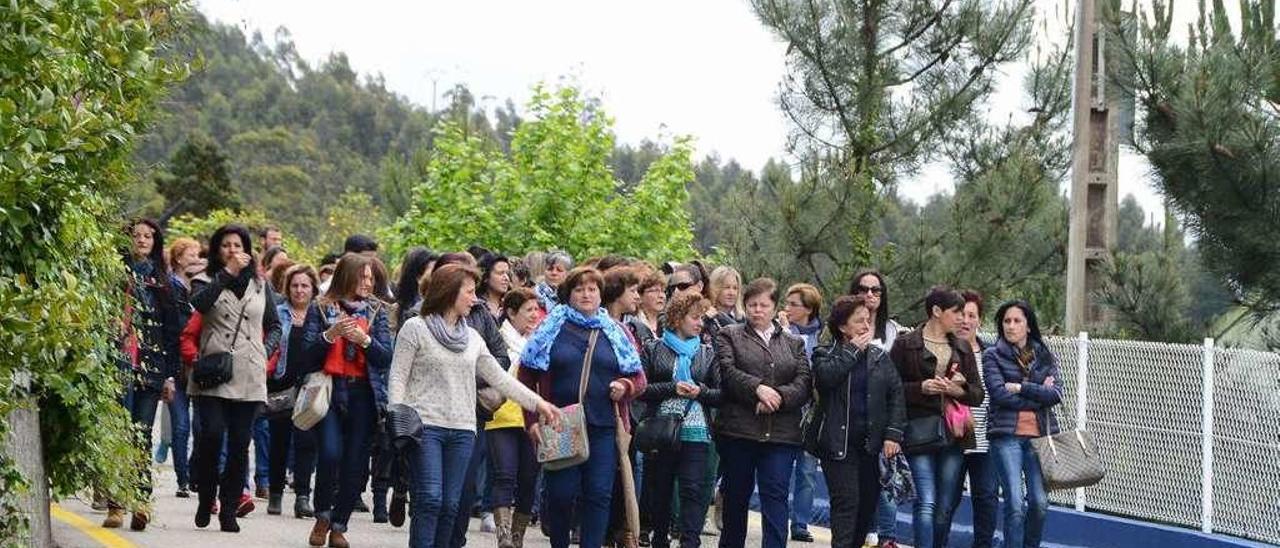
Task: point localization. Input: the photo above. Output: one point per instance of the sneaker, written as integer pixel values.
(246, 506)
(802, 535)
(487, 524)
(183, 492)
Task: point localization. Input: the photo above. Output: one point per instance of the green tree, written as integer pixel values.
(80, 79)
(872, 89)
(1211, 134)
(198, 179)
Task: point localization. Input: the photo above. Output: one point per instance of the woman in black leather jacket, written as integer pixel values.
(861, 415)
(684, 381)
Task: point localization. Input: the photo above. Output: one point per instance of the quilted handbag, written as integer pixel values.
(565, 445)
(1069, 459)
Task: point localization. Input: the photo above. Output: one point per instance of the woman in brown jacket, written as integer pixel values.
(937, 371)
(766, 382)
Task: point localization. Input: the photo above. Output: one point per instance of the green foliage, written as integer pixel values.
(79, 80)
(556, 189)
(199, 179)
(1147, 296)
(1211, 132)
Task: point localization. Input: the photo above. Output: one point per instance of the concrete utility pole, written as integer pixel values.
(1096, 150)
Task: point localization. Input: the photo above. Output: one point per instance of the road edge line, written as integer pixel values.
(102, 536)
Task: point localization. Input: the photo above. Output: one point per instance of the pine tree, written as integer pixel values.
(198, 179)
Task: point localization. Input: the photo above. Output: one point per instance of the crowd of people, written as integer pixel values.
(697, 392)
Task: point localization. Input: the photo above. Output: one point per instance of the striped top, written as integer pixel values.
(980, 414)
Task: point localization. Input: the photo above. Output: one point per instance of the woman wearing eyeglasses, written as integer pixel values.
(869, 284)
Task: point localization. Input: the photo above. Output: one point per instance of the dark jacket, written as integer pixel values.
(745, 362)
(999, 366)
(886, 411)
(660, 369)
(377, 356)
(155, 324)
(915, 364)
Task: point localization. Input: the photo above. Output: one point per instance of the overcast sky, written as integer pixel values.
(705, 68)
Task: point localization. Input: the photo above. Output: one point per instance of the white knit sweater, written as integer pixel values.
(441, 384)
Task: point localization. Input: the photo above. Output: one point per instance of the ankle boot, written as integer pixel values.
(302, 507)
(338, 539)
(319, 532)
(519, 523)
(274, 503)
(502, 523)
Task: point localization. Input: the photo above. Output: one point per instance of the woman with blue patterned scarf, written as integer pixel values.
(683, 381)
(551, 364)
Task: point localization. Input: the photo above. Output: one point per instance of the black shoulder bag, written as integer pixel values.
(661, 432)
(214, 370)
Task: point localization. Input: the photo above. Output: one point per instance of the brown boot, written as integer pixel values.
(519, 522)
(115, 518)
(338, 540)
(319, 532)
(502, 522)
(139, 521)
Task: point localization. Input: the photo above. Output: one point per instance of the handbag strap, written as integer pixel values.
(586, 368)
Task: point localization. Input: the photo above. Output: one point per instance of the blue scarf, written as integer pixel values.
(685, 350)
(537, 352)
(546, 296)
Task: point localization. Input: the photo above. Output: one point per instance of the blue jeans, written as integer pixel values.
(437, 471)
(745, 465)
(142, 402)
(343, 438)
(179, 442)
(887, 517)
(806, 473)
(984, 496)
(470, 488)
(1023, 519)
(261, 452)
(938, 478)
(590, 485)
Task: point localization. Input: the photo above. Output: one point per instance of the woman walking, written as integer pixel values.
(937, 370)
(437, 360)
(766, 379)
(237, 317)
(1023, 379)
(861, 415)
(552, 364)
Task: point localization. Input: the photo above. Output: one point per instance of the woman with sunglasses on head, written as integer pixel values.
(869, 284)
(1022, 376)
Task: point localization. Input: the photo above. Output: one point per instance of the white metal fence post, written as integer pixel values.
(1206, 441)
(1082, 389)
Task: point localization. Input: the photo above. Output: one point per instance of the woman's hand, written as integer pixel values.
(339, 328)
(617, 390)
(891, 448)
(861, 341)
(238, 262)
(783, 320)
(1013, 387)
(535, 435)
(688, 390)
(951, 388)
(170, 388)
(548, 414)
(769, 397)
(762, 409)
(931, 386)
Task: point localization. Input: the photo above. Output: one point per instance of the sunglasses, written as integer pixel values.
(864, 289)
(682, 285)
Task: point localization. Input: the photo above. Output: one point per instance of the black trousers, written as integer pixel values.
(222, 417)
(514, 468)
(854, 485)
(662, 469)
(284, 435)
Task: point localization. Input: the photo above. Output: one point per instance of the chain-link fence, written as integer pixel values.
(1149, 406)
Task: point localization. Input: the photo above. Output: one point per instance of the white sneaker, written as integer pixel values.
(487, 524)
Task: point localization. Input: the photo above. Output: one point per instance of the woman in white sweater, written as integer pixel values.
(434, 369)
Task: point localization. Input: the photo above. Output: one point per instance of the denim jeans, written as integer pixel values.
(689, 465)
(343, 438)
(590, 485)
(513, 469)
(984, 491)
(222, 421)
(806, 473)
(262, 452)
(437, 469)
(854, 485)
(887, 517)
(142, 403)
(471, 488)
(937, 477)
(747, 464)
(1023, 519)
(179, 443)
